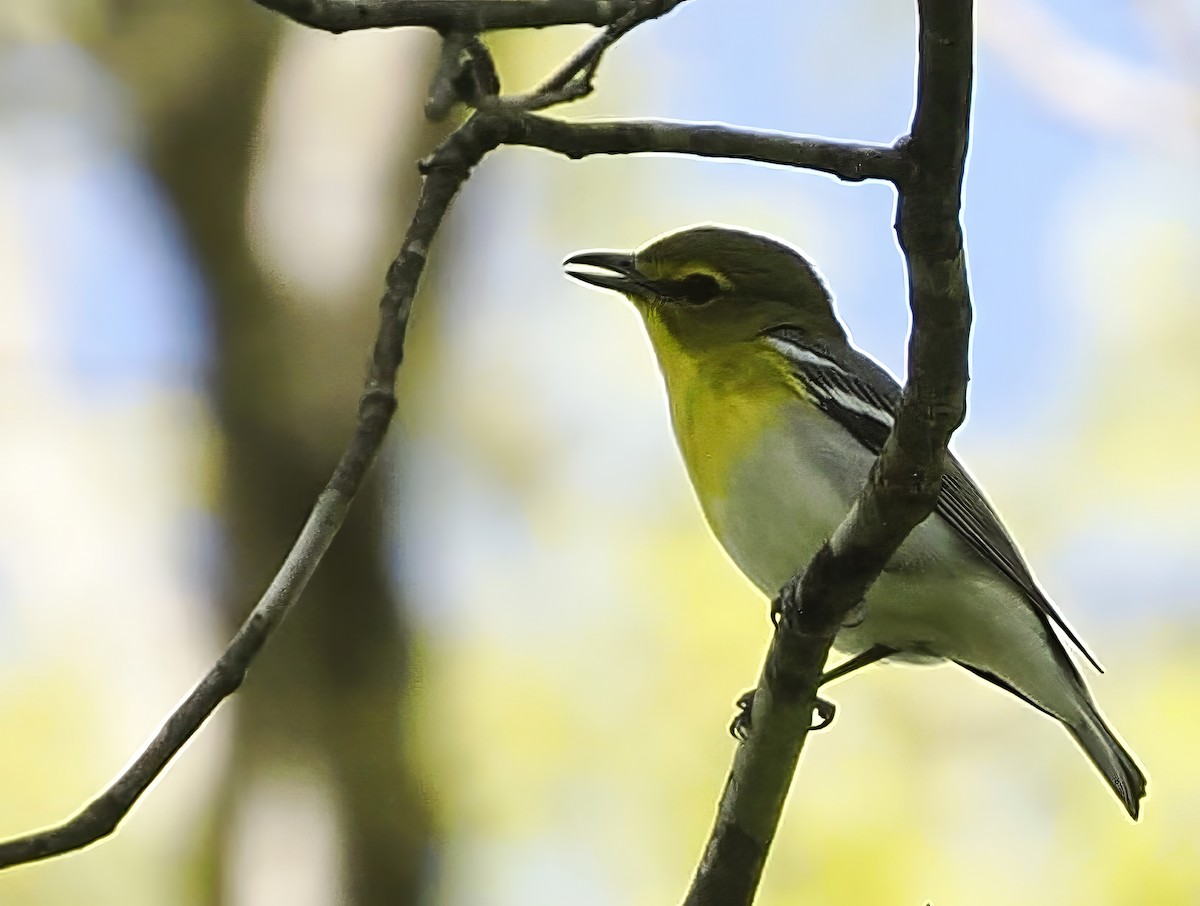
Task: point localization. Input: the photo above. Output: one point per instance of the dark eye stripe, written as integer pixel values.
(694, 288)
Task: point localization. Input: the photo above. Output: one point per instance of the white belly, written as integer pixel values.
(936, 599)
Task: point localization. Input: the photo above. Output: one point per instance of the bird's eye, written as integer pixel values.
(697, 288)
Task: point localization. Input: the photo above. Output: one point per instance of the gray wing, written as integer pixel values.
(963, 505)
(853, 389)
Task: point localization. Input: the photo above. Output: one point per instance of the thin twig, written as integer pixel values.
(904, 481)
(448, 167)
(448, 15)
(574, 78)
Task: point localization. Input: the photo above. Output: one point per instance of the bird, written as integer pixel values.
(779, 418)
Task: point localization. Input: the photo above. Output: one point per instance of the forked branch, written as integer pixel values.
(444, 173)
(926, 167)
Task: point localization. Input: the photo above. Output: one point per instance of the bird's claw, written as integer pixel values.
(786, 605)
(739, 727)
(825, 713)
(742, 723)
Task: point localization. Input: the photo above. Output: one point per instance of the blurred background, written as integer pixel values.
(510, 681)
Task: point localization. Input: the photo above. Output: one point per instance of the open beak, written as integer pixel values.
(608, 270)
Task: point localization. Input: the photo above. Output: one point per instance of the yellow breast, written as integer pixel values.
(773, 474)
(723, 401)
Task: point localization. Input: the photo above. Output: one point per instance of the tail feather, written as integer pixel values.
(1111, 758)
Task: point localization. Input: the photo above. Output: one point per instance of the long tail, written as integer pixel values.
(1110, 758)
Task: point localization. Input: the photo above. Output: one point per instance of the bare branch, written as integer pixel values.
(904, 482)
(449, 15)
(446, 170)
(927, 168)
(100, 817)
(573, 80)
(467, 72)
(850, 161)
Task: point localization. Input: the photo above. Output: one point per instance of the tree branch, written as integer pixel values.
(927, 168)
(446, 170)
(904, 481)
(850, 161)
(448, 15)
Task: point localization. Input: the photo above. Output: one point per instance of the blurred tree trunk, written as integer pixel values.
(326, 699)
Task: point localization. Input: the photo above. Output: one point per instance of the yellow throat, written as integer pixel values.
(724, 398)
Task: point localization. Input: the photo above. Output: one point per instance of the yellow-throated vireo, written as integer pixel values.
(779, 419)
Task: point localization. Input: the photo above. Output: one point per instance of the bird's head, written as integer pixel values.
(708, 285)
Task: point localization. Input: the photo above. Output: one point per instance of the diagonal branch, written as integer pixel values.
(448, 15)
(904, 482)
(446, 170)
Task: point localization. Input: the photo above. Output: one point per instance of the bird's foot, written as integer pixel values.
(785, 606)
(740, 726)
(825, 713)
